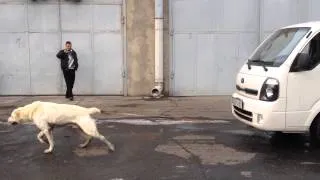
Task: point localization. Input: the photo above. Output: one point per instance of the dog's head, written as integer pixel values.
(16, 117)
(23, 114)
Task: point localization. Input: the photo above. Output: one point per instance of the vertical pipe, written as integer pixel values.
(157, 90)
(124, 46)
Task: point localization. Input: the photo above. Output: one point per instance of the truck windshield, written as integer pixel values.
(276, 49)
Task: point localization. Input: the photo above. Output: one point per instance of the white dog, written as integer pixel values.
(46, 115)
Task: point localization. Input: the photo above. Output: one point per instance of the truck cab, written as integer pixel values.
(278, 87)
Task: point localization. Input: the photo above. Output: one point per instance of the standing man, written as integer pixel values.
(69, 64)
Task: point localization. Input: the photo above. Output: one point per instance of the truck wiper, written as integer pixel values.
(249, 65)
(260, 62)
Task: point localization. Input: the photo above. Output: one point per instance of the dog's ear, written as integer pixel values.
(17, 113)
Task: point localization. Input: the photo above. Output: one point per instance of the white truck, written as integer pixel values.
(278, 88)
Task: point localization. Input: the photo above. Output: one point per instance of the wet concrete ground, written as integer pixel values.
(152, 150)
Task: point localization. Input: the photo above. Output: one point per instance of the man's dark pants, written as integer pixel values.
(69, 77)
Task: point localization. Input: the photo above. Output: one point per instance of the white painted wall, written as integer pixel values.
(211, 39)
(31, 33)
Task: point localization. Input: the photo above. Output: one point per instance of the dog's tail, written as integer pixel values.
(94, 110)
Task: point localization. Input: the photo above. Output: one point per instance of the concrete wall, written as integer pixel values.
(140, 46)
(166, 48)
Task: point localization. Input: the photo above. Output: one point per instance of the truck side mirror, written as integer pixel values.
(301, 63)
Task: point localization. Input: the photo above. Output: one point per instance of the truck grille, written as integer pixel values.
(243, 114)
(247, 91)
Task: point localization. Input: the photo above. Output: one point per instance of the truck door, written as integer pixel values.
(303, 88)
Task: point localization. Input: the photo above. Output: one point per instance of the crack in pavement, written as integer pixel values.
(193, 158)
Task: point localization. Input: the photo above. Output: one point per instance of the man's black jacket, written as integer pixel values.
(63, 56)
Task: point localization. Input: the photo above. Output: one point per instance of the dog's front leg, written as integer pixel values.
(39, 136)
(49, 136)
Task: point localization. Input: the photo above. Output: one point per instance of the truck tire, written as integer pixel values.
(315, 132)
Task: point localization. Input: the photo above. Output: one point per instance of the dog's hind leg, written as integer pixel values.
(85, 144)
(87, 138)
(103, 139)
(88, 125)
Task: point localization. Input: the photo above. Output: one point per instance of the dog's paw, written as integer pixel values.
(112, 148)
(47, 151)
(41, 141)
(84, 145)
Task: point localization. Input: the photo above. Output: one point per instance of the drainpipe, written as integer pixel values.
(158, 82)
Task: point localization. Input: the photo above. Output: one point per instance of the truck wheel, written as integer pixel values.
(315, 132)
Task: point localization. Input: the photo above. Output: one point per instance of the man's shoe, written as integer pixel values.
(71, 98)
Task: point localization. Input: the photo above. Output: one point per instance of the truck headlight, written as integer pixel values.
(270, 90)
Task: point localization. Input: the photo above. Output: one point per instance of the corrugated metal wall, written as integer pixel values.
(211, 39)
(31, 33)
